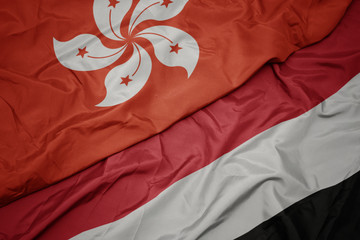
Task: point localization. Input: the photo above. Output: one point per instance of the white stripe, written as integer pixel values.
(256, 180)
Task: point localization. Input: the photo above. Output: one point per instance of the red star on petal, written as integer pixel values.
(82, 52)
(126, 80)
(175, 48)
(113, 3)
(166, 3)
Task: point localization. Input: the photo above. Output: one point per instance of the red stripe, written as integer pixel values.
(109, 55)
(111, 27)
(138, 50)
(113, 188)
(156, 35)
(132, 25)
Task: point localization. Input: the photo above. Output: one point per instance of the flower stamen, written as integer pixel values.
(113, 3)
(82, 52)
(137, 48)
(111, 27)
(109, 55)
(175, 48)
(166, 3)
(156, 35)
(132, 25)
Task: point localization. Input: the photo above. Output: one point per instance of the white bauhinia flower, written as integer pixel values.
(172, 46)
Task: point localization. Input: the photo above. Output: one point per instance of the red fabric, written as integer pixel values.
(49, 125)
(113, 188)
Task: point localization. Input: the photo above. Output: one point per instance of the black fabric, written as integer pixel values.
(330, 214)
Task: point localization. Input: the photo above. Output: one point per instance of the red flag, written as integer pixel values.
(84, 79)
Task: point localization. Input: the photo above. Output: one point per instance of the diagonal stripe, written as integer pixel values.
(256, 180)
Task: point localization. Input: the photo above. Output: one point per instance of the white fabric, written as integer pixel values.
(155, 10)
(187, 57)
(67, 53)
(137, 68)
(256, 180)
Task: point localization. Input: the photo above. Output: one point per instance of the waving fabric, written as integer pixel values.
(290, 131)
(81, 80)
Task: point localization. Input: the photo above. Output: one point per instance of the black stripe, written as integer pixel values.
(330, 214)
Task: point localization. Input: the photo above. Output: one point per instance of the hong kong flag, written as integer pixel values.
(81, 80)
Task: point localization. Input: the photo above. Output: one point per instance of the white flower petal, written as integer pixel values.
(126, 80)
(155, 10)
(173, 47)
(85, 52)
(108, 18)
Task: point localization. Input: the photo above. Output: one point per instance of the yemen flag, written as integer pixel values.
(276, 159)
(81, 80)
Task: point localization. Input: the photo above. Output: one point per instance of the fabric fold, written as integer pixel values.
(234, 40)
